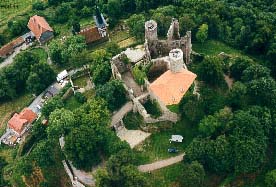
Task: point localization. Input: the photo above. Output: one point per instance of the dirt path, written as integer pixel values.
(229, 81)
(161, 164)
(121, 113)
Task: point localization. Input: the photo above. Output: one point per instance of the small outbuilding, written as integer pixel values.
(176, 138)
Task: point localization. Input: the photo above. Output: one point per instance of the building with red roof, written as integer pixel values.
(40, 28)
(18, 122)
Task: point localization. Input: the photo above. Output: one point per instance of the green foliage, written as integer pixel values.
(63, 12)
(153, 108)
(210, 71)
(51, 105)
(192, 175)
(136, 24)
(17, 26)
(61, 121)
(80, 97)
(114, 93)
(100, 67)
(43, 154)
(270, 178)
(237, 97)
(202, 33)
(133, 121)
(238, 66)
(39, 5)
(139, 75)
(66, 52)
(80, 143)
(255, 71)
(3, 163)
(120, 172)
(113, 48)
(44, 75)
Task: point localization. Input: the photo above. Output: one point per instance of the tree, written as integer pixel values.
(237, 97)
(41, 77)
(55, 49)
(114, 10)
(61, 121)
(262, 88)
(38, 5)
(192, 175)
(255, 71)
(93, 113)
(62, 13)
(270, 178)
(17, 26)
(80, 143)
(202, 33)
(51, 105)
(43, 154)
(238, 66)
(120, 172)
(139, 75)
(209, 125)
(210, 71)
(187, 24)
(101, 73)
(114, 93)
(249, 143)
(80, 97)
(136, 24)
(75, 26)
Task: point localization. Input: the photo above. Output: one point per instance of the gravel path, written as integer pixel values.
(161, 164)
(121, 113)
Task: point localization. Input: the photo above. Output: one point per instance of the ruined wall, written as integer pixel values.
(158, 48)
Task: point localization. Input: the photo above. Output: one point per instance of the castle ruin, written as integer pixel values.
(156, 48)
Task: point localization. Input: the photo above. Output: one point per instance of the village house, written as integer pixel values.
(40, 29)
(8, 49)
(19, 123)
(97, 33)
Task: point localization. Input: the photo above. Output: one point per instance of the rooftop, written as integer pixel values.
(171, 87)
(38, 25)
(18, 121)
(90, 34)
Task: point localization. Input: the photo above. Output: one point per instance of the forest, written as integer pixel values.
(235, 126)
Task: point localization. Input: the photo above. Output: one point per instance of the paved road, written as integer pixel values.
(121, 113)
(10, 58)
(37, 100)
(161, 163)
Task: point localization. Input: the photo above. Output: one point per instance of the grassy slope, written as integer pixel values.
(9, 13)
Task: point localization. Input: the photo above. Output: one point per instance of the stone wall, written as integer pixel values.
(160, 47)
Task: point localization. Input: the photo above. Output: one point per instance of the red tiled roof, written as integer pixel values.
(91, 34)
(8, 48)
(38, 25)
(171, 87)
(18, 121)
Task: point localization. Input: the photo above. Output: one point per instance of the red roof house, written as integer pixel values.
(19, 121)
(40, 28)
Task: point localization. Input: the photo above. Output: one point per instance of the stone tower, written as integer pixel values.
(173, 32)
(176, 60)
(151, 31)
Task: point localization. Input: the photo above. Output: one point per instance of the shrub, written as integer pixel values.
(139, 75)
(80, 97)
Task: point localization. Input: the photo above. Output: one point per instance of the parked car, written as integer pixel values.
(172, 150)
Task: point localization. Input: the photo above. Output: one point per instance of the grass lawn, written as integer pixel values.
(165, 177)
(71, 103)
(41, 53)
(9, 13)
(81, 81)
(212, 47)
(156, 146)
(16, 105)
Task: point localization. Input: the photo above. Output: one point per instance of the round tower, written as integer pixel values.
(151, 30)
(176, 60)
